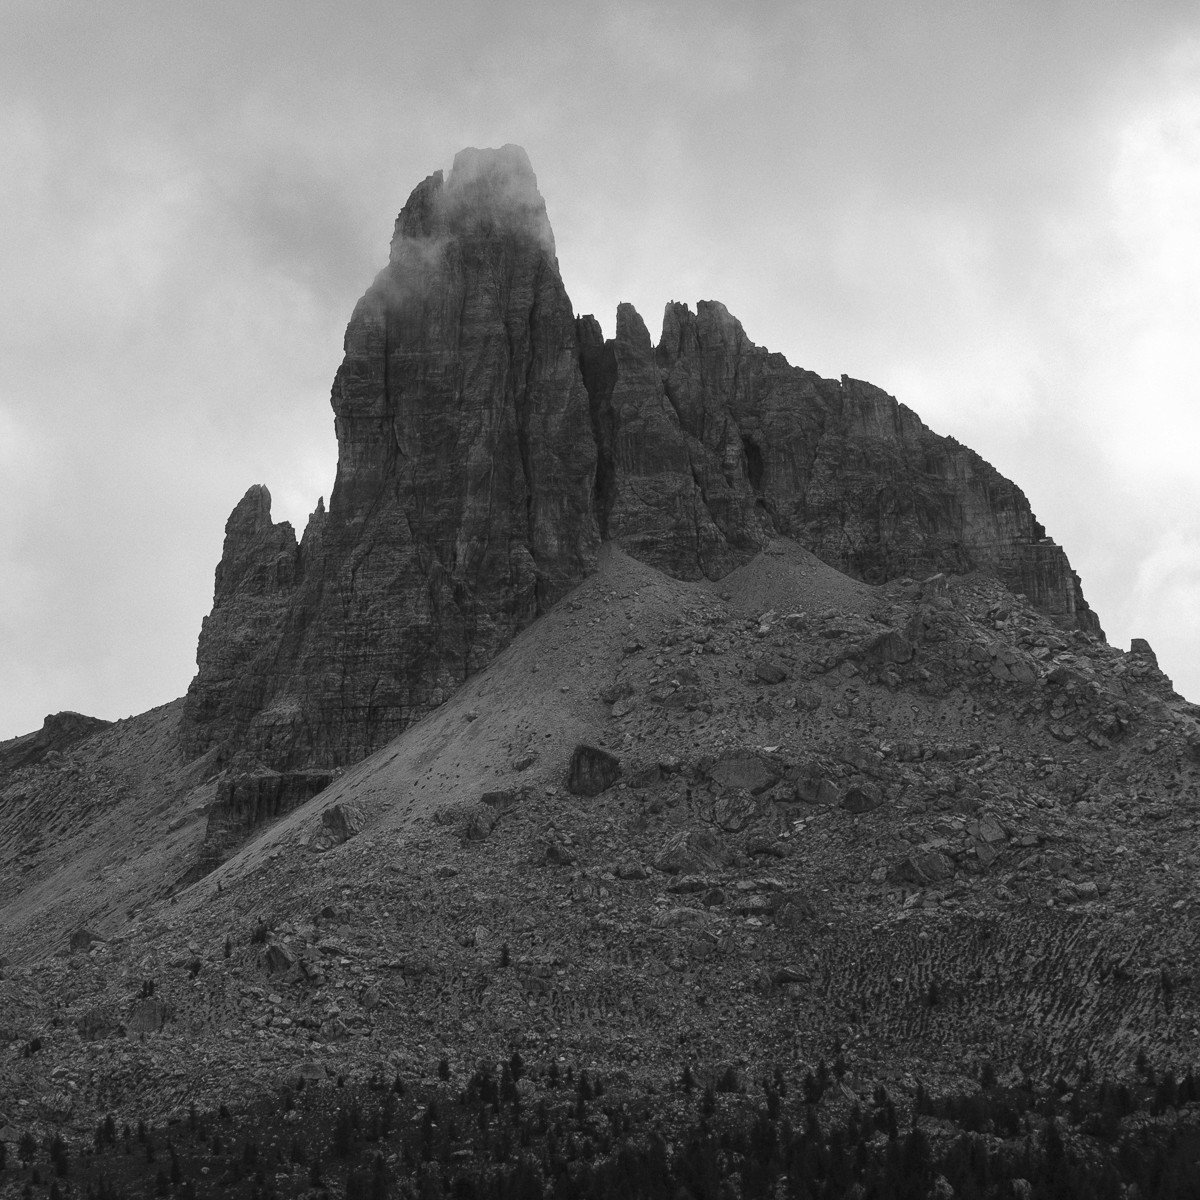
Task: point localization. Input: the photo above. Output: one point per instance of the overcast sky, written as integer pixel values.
(991, 210)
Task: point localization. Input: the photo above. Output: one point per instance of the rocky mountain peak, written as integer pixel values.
(259, 555)
(488, 441)
(631, 329)
(462, 506)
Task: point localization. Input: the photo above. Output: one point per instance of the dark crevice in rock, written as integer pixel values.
(754, 463)
(598, 366)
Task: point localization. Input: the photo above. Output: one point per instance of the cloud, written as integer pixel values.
(496, 184)
(986, 209)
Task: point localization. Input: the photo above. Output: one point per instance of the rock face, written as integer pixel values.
(463, 502)
(489, 440)
(709, 444)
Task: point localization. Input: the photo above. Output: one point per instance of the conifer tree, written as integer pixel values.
(56, 1147)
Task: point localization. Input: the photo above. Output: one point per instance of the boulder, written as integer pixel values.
(96, 1023)
(693, 852)
(794, 910)
(742, 773)
(555, 852)
(890, 646)
(592, 771)
(686, 884)
(812, 786)
(646, 777)
(782, 976)
(249, 798)
(921, 869)
(339, 822)
(82, 939)
(278, 958)
(862, 798)
(479, 822)
(1063, 676)
(987, 830)
(505, 799)
(631, 869)
(770, 671)
(760, 844)
(308, 1071)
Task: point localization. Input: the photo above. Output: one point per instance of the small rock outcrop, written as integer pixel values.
(59, 731)
(1141, 649)
(247, 800)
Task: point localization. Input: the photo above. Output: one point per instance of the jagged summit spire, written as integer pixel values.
(463, 505)
(487, 192)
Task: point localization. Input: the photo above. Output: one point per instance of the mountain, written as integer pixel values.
(658, 711)
(488, 443)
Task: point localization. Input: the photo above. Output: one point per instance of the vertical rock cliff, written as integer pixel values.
(488, 440)
(463, 501)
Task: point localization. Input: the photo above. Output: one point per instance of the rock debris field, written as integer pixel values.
(917, 824)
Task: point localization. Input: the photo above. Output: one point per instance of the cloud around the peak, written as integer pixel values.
(986, 209)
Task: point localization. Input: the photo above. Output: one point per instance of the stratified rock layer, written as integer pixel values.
(488, 440)
(248, 800)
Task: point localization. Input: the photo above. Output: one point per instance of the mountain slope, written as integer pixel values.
(912, 820)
